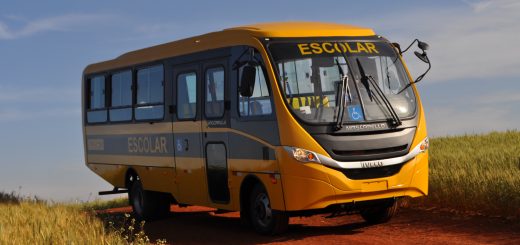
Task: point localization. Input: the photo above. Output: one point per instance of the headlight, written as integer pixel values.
(302, 155)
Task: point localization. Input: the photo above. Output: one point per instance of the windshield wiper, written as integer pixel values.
(367, 80)
(342, 103)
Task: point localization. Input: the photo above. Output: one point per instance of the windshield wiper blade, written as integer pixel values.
(366, 80)
(341, 104)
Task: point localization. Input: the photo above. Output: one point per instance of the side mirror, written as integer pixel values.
(422, 56)
(247, 80)
(422, 45)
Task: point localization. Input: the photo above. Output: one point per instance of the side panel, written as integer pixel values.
(147, 148)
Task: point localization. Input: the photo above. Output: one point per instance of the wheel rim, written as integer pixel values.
(262, 208)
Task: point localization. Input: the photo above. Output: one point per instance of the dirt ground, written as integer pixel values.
(199, 225)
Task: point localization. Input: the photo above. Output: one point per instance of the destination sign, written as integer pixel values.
(298, 50)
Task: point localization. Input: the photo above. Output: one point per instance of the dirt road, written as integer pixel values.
(199, 225)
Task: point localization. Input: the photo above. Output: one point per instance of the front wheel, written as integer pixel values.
(380, 214)
(264, 219)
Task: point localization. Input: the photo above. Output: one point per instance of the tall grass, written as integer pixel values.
(479, 173)
(32, 221)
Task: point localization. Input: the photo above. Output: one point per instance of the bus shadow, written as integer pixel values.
(204, 226)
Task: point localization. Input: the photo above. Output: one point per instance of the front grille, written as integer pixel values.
(371, 151)
(367, 147)
(371, 173)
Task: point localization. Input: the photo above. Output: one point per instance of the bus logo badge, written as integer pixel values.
(179, 145)
(355, 113)
(373, 164)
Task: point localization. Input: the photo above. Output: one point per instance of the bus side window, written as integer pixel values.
(259, 104)
(150, 93)
(121, 101)
(214, 107)
(187, 95)
(97, 111)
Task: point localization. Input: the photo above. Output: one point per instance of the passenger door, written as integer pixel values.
(191, 174)
(215, 135)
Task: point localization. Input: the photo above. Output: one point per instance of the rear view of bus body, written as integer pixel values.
(273, 120)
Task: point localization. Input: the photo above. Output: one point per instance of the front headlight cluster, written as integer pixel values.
(302, 155)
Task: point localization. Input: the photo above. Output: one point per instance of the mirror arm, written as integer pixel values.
(409, 46)
(419, 78)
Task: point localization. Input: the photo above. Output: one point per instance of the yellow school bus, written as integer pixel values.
(273, 120)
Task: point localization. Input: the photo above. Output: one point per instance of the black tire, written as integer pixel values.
(380, 214)
(147, 205)
(265, 220)
(245, 219)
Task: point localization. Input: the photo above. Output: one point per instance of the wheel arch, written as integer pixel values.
(130, 175)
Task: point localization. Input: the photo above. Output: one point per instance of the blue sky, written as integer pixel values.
(473, 87)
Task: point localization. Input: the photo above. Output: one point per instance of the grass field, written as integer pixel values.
(30, 221)
(479, 173)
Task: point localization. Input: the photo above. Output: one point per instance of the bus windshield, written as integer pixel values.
(314, 74)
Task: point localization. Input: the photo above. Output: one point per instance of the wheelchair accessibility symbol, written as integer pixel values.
(355, 113)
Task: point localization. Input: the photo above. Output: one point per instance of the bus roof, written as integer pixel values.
(227, 37)
(302, 29)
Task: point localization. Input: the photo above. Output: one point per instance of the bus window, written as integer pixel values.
(97, 110)
(121, 101)
(214, 92)
(187, 95)
(259, 104)
(150, 93)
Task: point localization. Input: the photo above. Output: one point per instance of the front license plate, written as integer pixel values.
(374, 186)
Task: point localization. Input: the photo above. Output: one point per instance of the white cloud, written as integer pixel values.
(15, 114)
(481, 41)
(22, 104)
(55, 23)
(38, 95)
(498, 98)
(444, 121)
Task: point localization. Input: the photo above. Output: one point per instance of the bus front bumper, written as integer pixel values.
(317, 186)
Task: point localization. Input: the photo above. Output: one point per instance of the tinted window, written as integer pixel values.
(150, 93)
(259, 103)
(187, 95)
(121, 96)
(122, 89)
(97, 92)
(97, 112)
(214, 92)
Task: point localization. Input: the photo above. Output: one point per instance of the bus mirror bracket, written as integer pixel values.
(247, 80)
(423, 57)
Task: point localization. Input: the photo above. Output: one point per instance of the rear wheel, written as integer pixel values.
(380, 214)
(147, 205)
(264, 219)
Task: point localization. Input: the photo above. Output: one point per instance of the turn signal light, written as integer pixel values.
(303, 155)
(425, 145)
